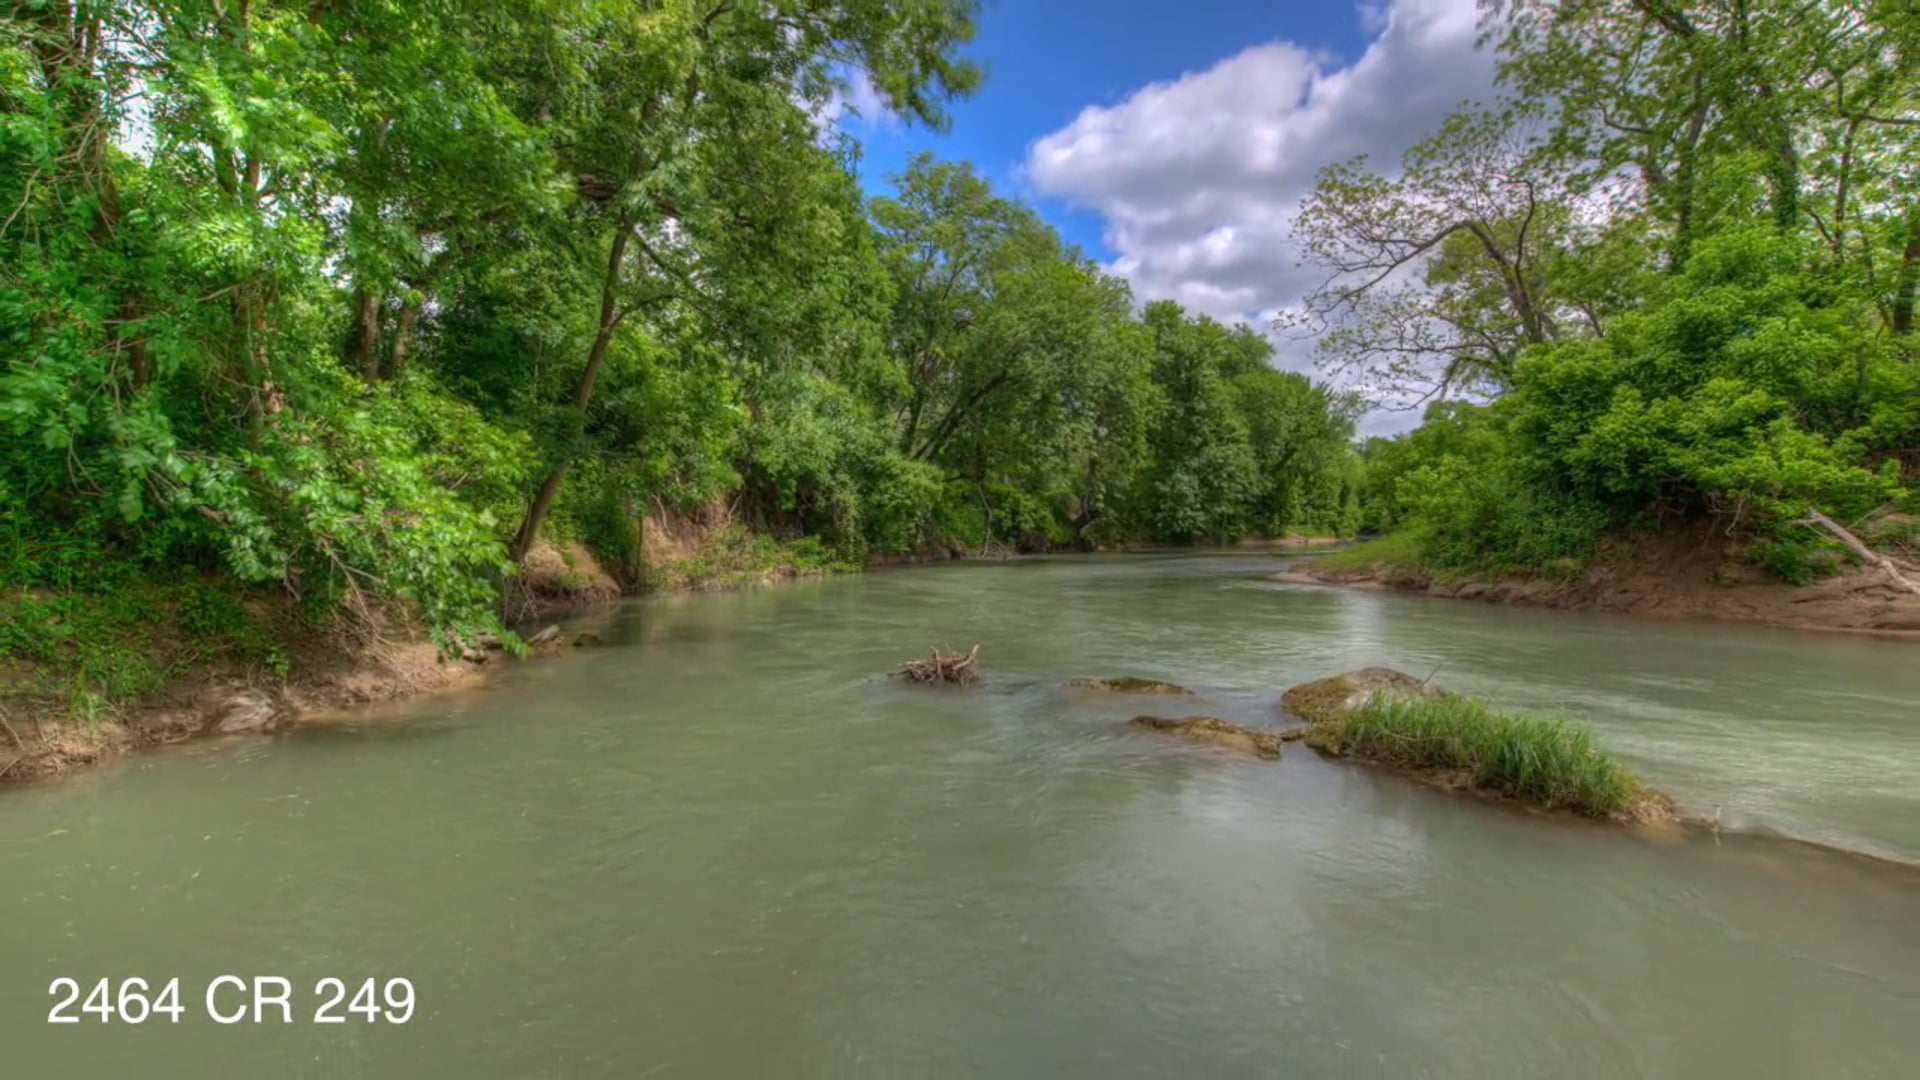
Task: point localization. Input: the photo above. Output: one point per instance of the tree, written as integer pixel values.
(1437, 278)
(664, 98)
(1203, 478)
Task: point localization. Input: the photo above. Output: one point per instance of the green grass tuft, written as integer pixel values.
(1547, 762)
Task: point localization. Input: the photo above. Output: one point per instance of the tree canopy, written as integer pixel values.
(1676, 269)
(360, 300)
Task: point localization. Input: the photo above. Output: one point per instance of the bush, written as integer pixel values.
(1732, 387)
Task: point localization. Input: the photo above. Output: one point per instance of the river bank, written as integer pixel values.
(1671, 576)
(293, 674)
(309, 676)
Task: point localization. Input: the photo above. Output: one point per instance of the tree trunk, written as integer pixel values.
(537, 510)
(1909, 281)
(1686, 178)
(403, 338)
(1839, 238)
(366, 343)
(610, 315)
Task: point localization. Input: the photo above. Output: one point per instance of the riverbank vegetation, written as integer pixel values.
(1393, 720)
(1541, 761)
(329, 315)
(1669, 281)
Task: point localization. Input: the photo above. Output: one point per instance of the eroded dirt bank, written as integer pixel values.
(326, 676)
(229, 703)
(1686, 576)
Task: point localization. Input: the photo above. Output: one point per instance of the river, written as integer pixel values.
(723, 845)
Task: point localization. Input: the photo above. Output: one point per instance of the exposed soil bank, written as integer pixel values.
(1689, 575)
(228, 702)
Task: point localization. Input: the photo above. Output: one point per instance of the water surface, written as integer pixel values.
(723, 846)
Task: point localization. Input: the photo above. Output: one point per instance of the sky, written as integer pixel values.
(1173, 140)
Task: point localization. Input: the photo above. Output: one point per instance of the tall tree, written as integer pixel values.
(662, 100)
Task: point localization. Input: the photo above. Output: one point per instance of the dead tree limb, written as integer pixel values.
(944, 667)
(1818, 520)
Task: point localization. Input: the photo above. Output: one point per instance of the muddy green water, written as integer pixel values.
(720, 846)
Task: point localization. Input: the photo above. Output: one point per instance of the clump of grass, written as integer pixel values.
(1544, 761)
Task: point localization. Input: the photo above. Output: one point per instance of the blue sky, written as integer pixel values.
(1048, 59)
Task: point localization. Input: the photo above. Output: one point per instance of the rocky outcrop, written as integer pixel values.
(1131, 684)
(1326, 700)
(1259, 742)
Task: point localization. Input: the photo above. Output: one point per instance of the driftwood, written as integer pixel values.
(1892, 569)
(944, 667)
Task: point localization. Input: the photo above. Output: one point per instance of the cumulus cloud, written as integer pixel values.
(1199, 178)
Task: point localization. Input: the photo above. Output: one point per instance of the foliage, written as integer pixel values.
(1395, 556)
(1678, 271)
(737, 557)
(352, 302)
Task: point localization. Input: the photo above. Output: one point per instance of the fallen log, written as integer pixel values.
(1891, 569)
(944, 667)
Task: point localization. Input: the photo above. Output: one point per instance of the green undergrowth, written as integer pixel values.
(1397, 554)
(1543, 761)
(86, 654)
(87, 629)
(738, 557)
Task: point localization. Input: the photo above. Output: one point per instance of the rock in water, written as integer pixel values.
(1324, 701)
(1211, 729)
(1130, 684)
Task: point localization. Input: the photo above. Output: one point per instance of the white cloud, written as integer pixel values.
(1198, 178)
(854, 104)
